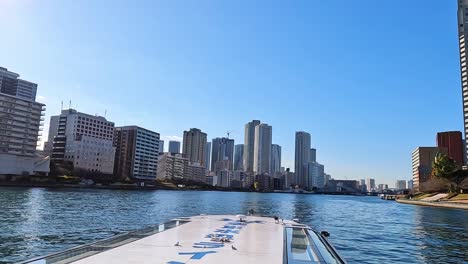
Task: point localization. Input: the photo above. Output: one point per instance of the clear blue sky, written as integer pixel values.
(370, 80)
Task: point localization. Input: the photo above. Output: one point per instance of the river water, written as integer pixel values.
(35, 221)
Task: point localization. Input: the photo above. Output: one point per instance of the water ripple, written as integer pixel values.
(34, 222)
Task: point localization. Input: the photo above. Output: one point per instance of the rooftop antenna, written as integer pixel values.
(105, 113)
(228, 133)
(69, 104)
(62, 106)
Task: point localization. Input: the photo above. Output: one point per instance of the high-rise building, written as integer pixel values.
(136, 154)
(463, 43)
(262, 148)
(222, 154)
(161, 146)
(174, 147)
(208, 156)
(194, 146)
(249, 142)
(410, 184)
(313, 155)
(362, 185)
(21, 120)
(370, 184)
(84, 140)
(422, 159)
(452, 141)
(302, 158)
(11, 84)
(400, 185)
(275, 159)
(316, 175)
(239, 157)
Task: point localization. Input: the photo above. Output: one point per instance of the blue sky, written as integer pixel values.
(370, 80)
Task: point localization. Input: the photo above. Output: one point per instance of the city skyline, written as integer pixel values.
(85, 70)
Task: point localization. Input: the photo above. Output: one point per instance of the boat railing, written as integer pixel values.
(83, 251)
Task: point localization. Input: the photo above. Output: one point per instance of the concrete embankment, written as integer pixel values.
(435, 204)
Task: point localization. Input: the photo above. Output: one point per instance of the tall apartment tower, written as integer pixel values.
(313, 155)
(370, 184)
(194, 146)
(21, 119)
(452, 141)
(84, 140)
(174, 147)
(463, 42)
(222, 154)
(275, 159)
(302, 158)
(136, 154)
(249, 142)
(161, 146)
(208, 156)
(239, 157)
(316, 175)
(262, 149)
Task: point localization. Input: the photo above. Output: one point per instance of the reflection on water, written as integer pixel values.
(441, 232)
(35, 222)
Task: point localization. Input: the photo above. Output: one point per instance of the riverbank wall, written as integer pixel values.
(452, 205)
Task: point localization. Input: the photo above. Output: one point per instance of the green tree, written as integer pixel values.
(444, 167)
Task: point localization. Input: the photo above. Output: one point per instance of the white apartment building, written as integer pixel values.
(21, 120)
(83, 139)
(171, 166)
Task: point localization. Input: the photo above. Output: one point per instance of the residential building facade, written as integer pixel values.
(262, 149)
(463, 49)
(84, 140)
(222, 154)
(370, 183)
(174, 147)
(172, 166)
(249, 144)
(161, 146)
(302, 158)
(10, 84)
(316, 175)
(239, 157)
(422, 159)
(400, 185)
(208, 156)
(313, 155)
(21, 120)
(194, 146)
(137, 153)
(275, 167)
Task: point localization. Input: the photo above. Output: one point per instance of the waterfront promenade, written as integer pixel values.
(462, 204)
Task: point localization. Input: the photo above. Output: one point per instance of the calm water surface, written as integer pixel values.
(34, 222)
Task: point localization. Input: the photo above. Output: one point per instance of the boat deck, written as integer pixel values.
(257, 240)
(207, 239)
